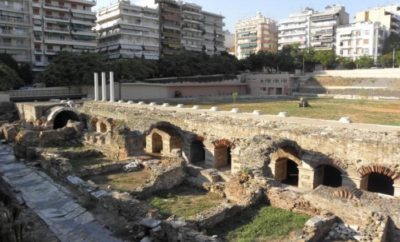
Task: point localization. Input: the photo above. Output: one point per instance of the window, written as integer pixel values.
(366, 41)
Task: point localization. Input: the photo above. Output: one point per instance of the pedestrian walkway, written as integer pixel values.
(51, 202)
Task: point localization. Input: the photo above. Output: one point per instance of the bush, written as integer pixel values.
(9, 79)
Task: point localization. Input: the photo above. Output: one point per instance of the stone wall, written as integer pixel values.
(346, 146)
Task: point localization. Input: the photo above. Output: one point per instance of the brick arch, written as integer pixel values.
(280, 154)
(104, 125)
(93, 123)
(366, 170)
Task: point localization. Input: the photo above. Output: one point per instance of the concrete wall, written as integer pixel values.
(362, 73)
(4, 97)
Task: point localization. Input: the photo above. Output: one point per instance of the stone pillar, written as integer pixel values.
(352, 181)
(112, 88)
(103, 87)
(306, 177)
(96, 86)
(396, 186)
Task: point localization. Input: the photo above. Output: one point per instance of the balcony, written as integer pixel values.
(84, 32)
(50, 52)
(57, 30)
(88, 2)
(12, 8)
(57, 19)
(55, 7)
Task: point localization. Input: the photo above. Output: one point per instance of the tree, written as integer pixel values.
(346, 63)
(365, 62)
(327, 58)
(9, 61)
(9, 79)
(133, 69)
(391, 42)
(70, 69)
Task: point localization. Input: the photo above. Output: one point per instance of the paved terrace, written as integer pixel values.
(66, 218)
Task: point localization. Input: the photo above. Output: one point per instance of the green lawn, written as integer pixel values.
(260, 224)
(360, 111)
(184, 201)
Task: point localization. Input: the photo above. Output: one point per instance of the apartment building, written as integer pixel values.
(213, 33)
(360, 39)
(15, 29)
(125, 30)
(324, 24)
(388, 16)
(185, 26)
(311, 28)
(255, 34)
(61, 25)
(170, 17)
(295, 30)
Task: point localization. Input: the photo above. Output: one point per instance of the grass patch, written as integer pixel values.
(125, 182)
(260, 224)
(360, 111)
(184, 201)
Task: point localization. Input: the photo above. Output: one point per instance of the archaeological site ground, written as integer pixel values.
(200, 171)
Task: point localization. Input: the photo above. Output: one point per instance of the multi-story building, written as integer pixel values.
(388, 16)
(170, 17)
(125, 30)
(323, 26)
(61, 26)
(15, 29)
(255, 34)
(295, 30)
(213, 33)
(311, 28)
(192, 27)
(360, 39)
(185, 26)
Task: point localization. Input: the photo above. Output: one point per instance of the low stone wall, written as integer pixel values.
(362, 73)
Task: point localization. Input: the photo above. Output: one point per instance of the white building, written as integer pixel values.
(125, 30)
(255, 34)
(15, 29)
(295, 29)
(311, 28)
(388, 16)
(360, 39)
(61, 26)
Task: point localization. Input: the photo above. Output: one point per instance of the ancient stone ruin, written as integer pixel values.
(115, 158)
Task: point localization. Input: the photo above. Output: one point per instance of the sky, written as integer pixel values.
(235, 10)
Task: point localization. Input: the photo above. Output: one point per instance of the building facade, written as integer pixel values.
(310, 28)
(61, 26)
(185, 26)
(255, 34)
(360, 39)
(128, 31)
(295, 30)
(263, 84)
(388, 16)
(324, 24)
(15, 29)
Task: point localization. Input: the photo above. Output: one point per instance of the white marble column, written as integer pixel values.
(112, 88)
(103, 87)
(96, 86)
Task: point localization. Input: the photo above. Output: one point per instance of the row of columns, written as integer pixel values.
(104, 87)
